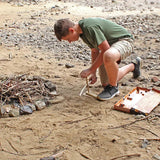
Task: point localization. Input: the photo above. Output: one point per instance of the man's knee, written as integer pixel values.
(111, 55)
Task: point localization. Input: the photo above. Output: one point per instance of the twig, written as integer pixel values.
(21, 101)
(12, 146)
(29, 97)
(43, 138)
(83, 155)
(147, 130)
(87, 85)
(76, 121)
(58, 154)
(151, 139)
(17, 154)
(125, 125)
(5, 59)
(129, 155)
(81, 92)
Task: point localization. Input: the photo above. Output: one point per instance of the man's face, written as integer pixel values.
(72, 36)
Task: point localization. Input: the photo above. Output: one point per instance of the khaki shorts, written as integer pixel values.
(125, 48)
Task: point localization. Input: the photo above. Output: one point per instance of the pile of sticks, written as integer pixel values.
(22, 89)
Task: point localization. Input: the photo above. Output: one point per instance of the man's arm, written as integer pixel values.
(97, 61)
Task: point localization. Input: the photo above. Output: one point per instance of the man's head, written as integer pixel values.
(66, 30)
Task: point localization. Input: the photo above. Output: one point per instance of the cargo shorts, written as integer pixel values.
(125, 48)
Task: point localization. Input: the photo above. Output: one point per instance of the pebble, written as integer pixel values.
(67, 65)
(32, 106)
(139, 116)
(25, 110)
(145, 143)
(156, 156)
(40, 105)
(155, 79)
(14, 112)
(50, 86)
(56, 99)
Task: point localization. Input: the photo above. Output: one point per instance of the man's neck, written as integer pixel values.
(78, 29)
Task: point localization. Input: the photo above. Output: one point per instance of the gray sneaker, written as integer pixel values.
(137, 67)
(108, 93)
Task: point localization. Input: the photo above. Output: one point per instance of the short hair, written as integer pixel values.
(61, 28)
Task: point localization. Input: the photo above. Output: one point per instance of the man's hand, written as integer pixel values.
(85, 73)
(93, 78)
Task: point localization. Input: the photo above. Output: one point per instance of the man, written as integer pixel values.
(109, 43)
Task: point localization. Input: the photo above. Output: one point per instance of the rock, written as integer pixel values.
(155, 79)
(157, 84)
(6, 108)
(50, 86)
(156, 156)
(47, 158)
(145, 143)
(69, 65)
(14, 112)
(25, 110)
(141, 78)
(57, 99)
(157, 40)
(32, 106)
(2, 110)
(139, 116)
(40, 105)
(53, 93)
(124, 84)
(127, 142)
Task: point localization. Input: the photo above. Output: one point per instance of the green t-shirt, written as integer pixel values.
(97, 30)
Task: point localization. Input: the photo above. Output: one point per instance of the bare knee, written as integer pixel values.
(111, 56)
(108, 57)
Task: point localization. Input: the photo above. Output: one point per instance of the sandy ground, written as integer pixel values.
(79, 126)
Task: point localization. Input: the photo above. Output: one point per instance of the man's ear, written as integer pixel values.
(71, 30)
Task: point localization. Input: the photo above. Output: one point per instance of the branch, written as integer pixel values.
(125, 125)
(76, 121)
(130, 155)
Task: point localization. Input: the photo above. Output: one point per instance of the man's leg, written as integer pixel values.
(121, 73)
(118, 51)
(110, 58)
(124, 70)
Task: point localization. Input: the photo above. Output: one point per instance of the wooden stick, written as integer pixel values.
(130, 155)
(125, 125)
(76, 121)
(82, 90)
(87, 85)
(147, 130)
(83, 155)
(91, 94)
(150, 139)
(12, 146)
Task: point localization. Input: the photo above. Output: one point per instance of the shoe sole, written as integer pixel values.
(140, 61)
(140, 65)
(102, 99)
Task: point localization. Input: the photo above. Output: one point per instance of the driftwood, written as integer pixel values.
(23, 89)
(150, 139)
(125, 125)
(129, 155)
(84, 156)
(147, 130)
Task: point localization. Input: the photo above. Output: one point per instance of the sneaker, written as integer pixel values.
(137, 67)
(108, 93)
